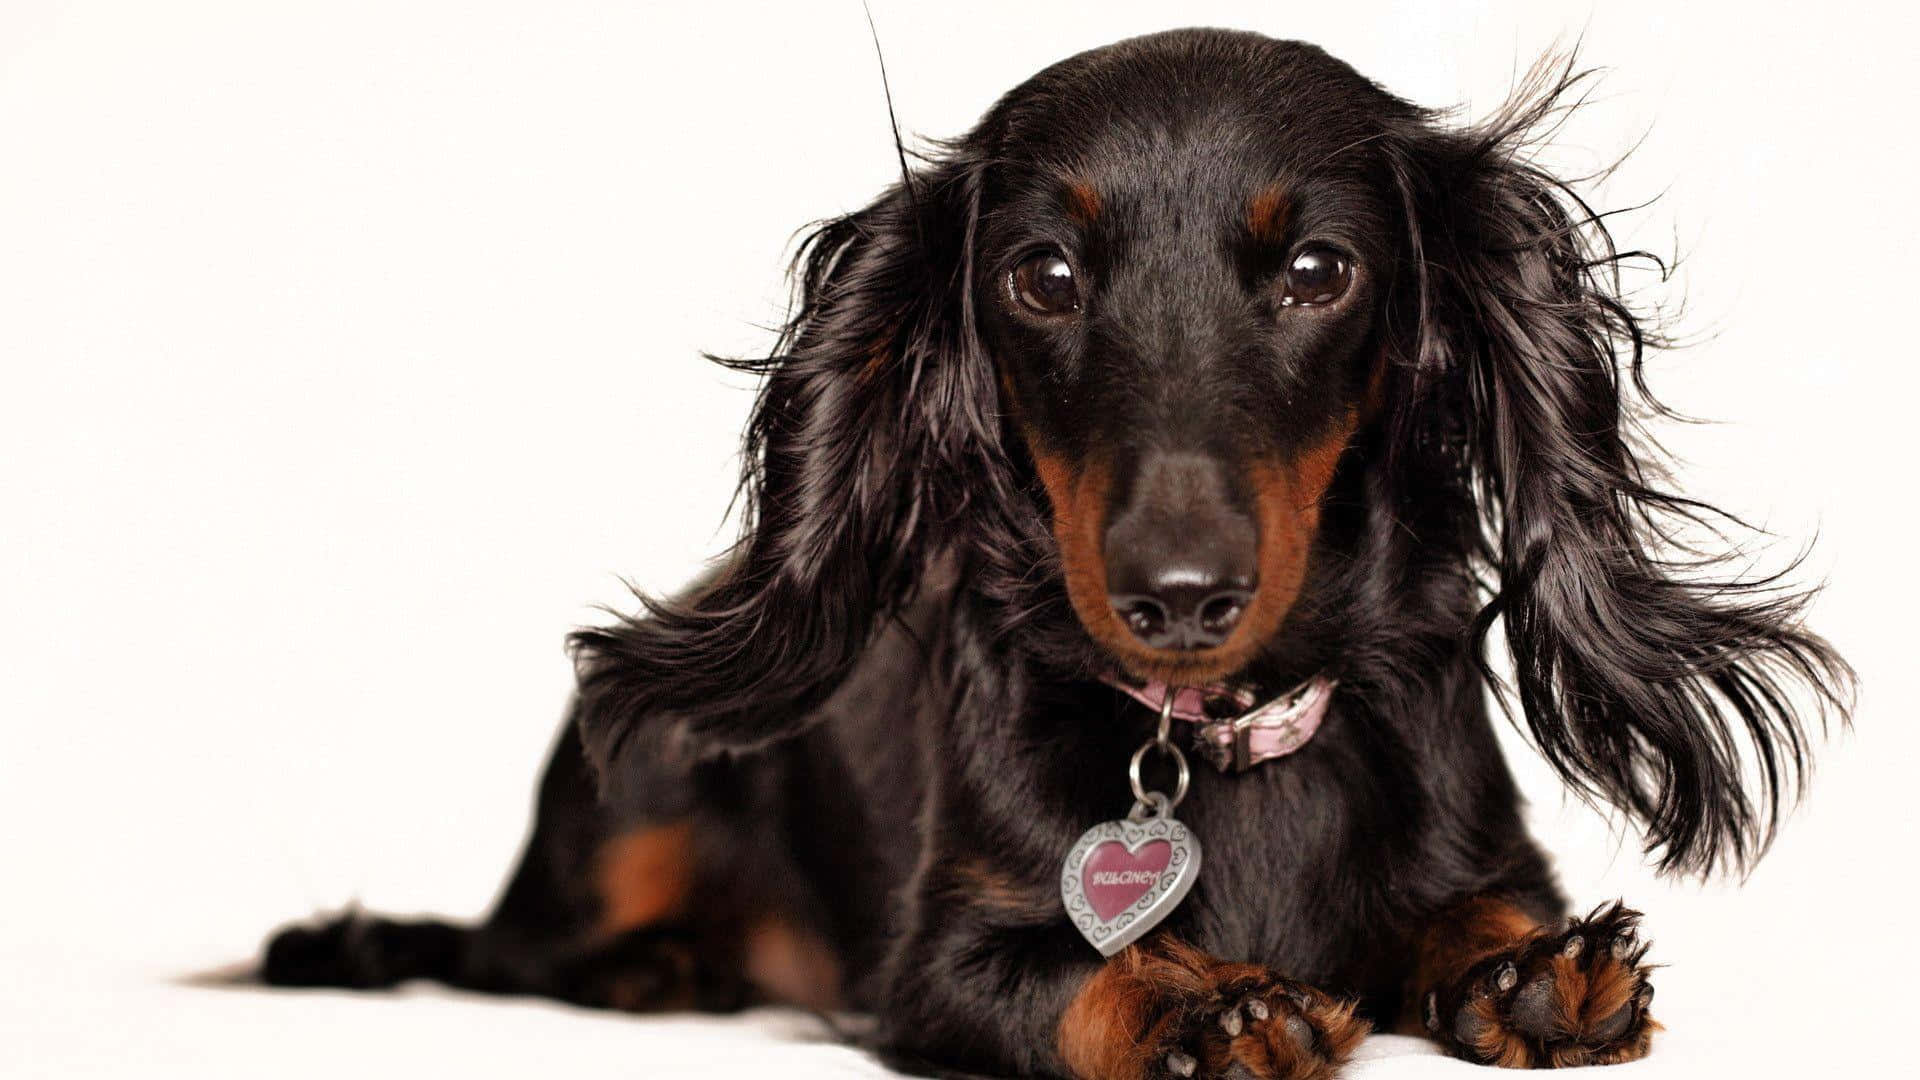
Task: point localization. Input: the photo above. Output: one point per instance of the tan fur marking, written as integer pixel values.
(792, 965)
(1610, 987)
(1267, 215)
(1122, 1019)
(644, 876)
(980, 882)
(1079, 515)
(1083, 203)
(877, 360)
(1491, 1041)
(1569, 992)
(1469, 934)
(1102, 1033)
(1289, 495)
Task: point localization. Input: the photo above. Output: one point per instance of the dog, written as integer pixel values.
(1101, 685)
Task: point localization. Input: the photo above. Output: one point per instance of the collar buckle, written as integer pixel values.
(1270, 731)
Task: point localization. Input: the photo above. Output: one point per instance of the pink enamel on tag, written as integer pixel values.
(1114, 877)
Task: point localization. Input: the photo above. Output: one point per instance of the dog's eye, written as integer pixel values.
(1317, 276)
(1044, 285)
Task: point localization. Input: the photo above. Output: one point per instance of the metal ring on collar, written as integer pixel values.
(1181, 774)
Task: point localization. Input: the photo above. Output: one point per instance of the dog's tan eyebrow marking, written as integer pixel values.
(1083, 202)
(1267, 214)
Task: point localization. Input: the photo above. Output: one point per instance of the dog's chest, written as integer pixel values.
(1280, 874)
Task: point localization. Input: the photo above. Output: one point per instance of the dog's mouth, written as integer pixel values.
(1185, 627)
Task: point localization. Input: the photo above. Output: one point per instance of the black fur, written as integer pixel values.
(885, 695)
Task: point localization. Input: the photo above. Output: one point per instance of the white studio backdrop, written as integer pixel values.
(350, 357)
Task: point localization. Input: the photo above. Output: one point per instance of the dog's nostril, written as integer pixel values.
(1219, 614)
(1144, 616)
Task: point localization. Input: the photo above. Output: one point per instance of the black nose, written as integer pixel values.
(1178, 615)
(1180, 555)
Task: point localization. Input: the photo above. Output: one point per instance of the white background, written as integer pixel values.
(350, 356)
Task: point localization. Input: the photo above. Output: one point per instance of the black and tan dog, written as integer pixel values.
(1202, 370)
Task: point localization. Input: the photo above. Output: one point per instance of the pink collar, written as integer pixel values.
(1260, 733)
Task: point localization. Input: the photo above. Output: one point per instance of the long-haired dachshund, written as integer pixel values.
(1100, 687)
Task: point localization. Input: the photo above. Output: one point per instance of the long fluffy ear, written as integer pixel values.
(874, 425)
(1681, 695)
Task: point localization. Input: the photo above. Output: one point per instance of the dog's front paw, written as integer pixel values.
(1258, 1026)
(1575, 995)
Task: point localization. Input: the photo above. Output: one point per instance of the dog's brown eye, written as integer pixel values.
(1317, 276)
(1044, 285)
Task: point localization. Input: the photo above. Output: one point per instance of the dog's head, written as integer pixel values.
(1184, 252)
(1172, 307)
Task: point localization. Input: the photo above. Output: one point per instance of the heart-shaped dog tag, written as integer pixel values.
(1122, 877)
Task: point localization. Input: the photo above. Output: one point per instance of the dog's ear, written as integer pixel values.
(1681, 695)
(874, 428)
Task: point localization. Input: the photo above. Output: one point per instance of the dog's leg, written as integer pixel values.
(1169, 1010)
(1493, 985)
(595, 914)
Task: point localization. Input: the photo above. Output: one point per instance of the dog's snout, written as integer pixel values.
(1180, 556)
